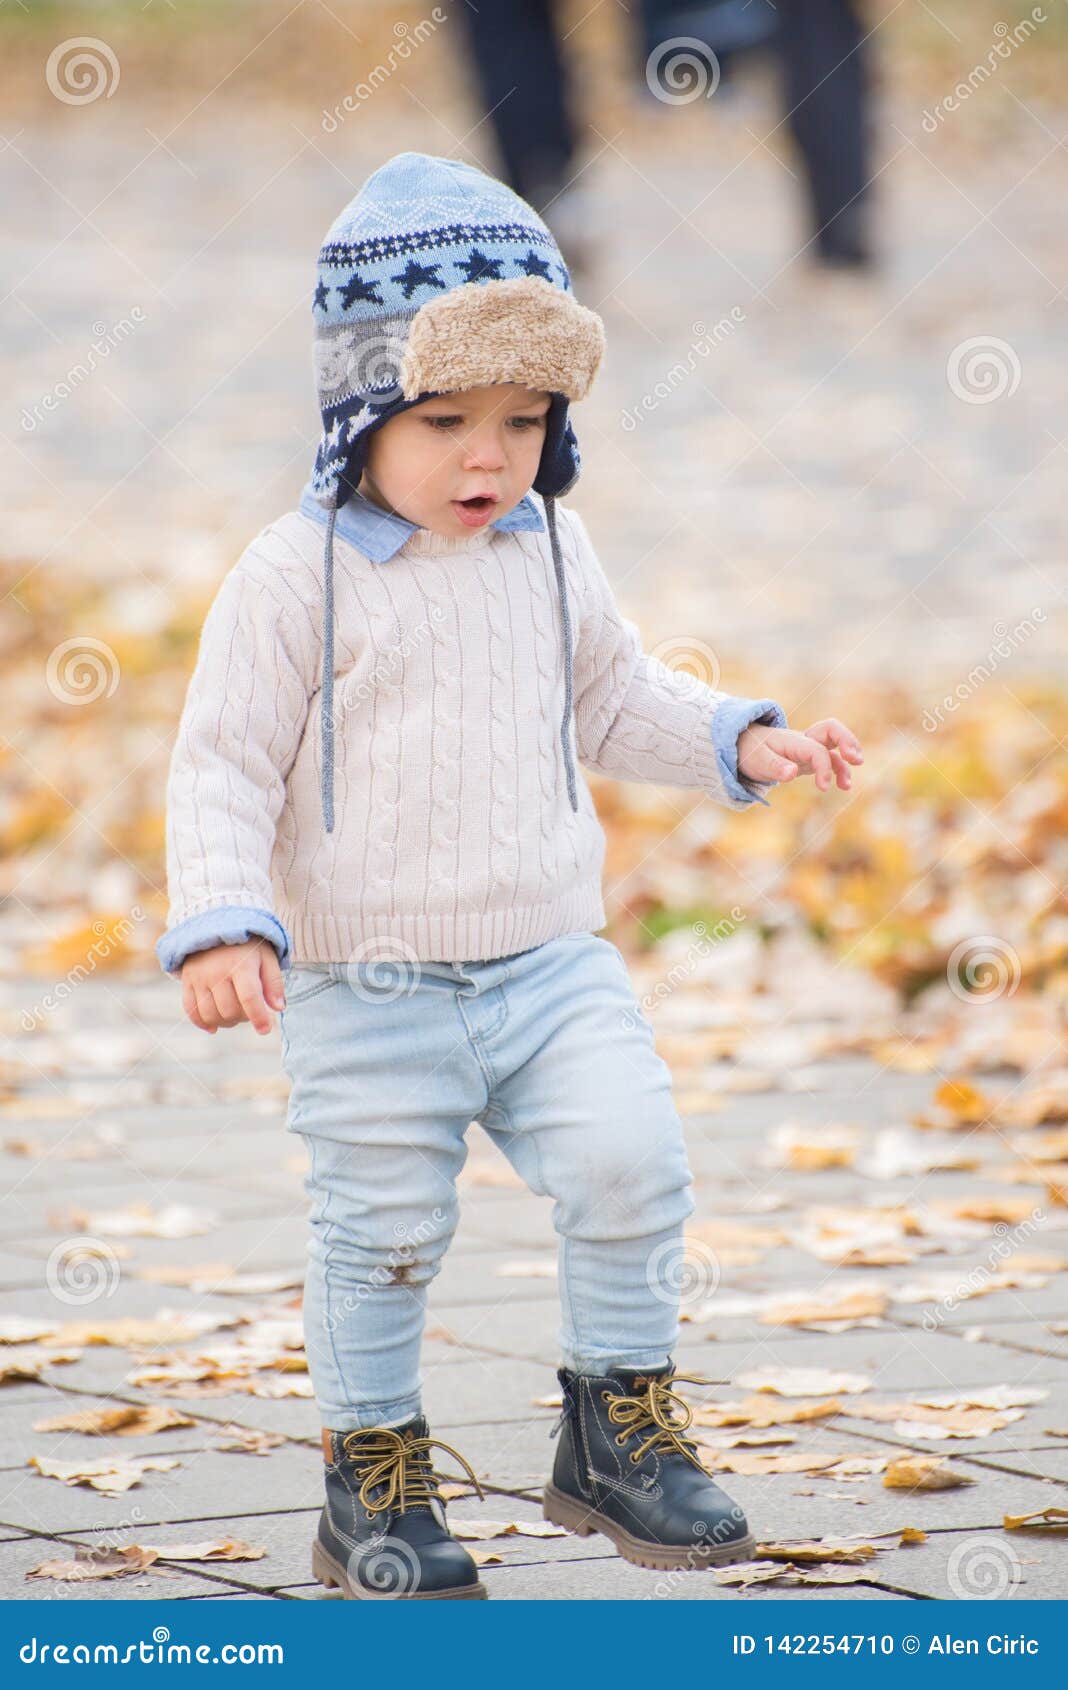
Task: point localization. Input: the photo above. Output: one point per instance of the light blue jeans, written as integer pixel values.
(549, 1050)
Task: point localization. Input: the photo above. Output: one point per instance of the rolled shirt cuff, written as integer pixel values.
(232, 924)
(729, 721)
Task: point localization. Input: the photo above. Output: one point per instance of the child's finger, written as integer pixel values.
(771, 766)
(832, 732)
(189, 1004)
(247, 988)
(810, 751)
(206, 1011)
(271, 978)
(841, 772)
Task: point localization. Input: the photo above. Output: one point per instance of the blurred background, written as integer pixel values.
(823, 460)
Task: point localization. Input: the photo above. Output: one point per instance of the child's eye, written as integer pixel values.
(527, 422)
(443, 422)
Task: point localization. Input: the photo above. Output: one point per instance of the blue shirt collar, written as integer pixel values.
(380, 534)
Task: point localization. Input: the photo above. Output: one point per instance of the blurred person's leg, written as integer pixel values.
(522, 79)
(825, 74)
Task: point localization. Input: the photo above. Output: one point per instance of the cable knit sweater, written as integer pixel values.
(454, 838)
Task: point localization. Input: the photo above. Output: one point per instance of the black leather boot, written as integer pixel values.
(383, 1532)
(623, 1468)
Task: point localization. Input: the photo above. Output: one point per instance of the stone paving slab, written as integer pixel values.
(18, 1438)
(17, 1557)
(31, 1212)
(204, 1486)
(275, 1238)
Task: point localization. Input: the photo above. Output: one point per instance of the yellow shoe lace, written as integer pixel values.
(654, 1408)
(401, 1462)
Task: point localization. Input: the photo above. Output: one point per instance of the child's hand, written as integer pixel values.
(233, 983)
(778, 753)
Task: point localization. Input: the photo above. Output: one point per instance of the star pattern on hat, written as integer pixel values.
(357, 289)
(418, 276)
(535, 266)
(321, 295)
(479, 266)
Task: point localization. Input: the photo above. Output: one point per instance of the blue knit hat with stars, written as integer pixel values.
(434, 279)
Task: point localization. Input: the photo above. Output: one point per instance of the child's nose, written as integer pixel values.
(485, 450)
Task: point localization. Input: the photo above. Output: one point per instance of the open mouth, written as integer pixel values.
(476, 510)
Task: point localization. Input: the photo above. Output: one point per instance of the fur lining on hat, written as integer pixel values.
(522, 330)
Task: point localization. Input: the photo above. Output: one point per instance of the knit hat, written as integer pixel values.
(434, 279)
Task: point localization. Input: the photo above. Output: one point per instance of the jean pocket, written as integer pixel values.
(304, 983)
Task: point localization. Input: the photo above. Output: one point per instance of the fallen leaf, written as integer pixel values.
(89, 1564)
(111, 1474)
(478, 1530)
(175, 1220)
(924, 1472)
(247, 1440)
(765, 1411)
(129, 1420)
(1041, 1517)
(803, 1381)
(841, 1550)
(213, 1549)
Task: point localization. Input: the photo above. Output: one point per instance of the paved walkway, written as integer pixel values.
(163, 1116)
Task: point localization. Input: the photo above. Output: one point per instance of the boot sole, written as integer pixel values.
(334, 1576)
(564, 1510)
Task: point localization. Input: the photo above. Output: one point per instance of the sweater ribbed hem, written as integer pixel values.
(466, 937)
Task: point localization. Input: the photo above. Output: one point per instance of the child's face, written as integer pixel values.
(487, 441)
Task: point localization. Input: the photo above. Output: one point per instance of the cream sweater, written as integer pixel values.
(454, 839)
